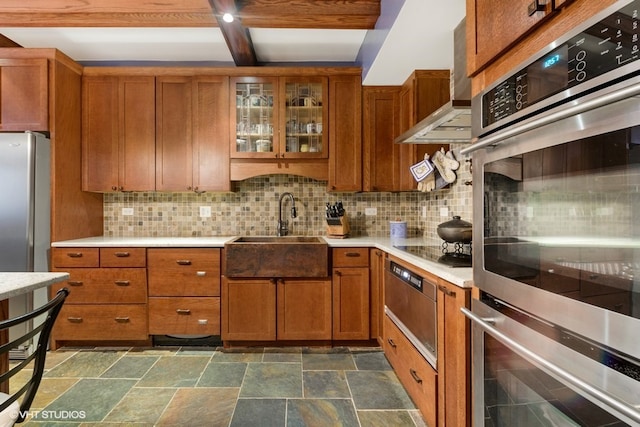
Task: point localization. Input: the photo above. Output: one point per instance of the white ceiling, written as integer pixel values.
(410, 34)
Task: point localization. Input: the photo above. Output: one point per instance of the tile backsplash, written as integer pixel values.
(253, 209)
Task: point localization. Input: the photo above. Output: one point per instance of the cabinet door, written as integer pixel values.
(248, 310)
(24, 94)
(211, 133)
(382, 157)
(118, 138)
(498, 25)
(454, 349)
(304, 309)
(345, 133)
(351, 304)
(174, 148)
(254, 119)
(376, 297)
(304, 117)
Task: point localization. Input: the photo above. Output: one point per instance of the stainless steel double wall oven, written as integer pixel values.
(556, 179)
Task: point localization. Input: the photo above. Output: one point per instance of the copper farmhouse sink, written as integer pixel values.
(276, 257)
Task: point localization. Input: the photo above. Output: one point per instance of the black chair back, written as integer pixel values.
(51, 309)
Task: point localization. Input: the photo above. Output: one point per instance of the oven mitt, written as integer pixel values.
(429, 182)
(446, 164)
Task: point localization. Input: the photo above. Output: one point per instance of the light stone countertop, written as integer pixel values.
(462, 277)
(12, 284)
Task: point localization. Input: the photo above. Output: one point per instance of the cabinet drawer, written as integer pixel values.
(107, 285)
(123, 257)
(102, 322)
(190, 316)
(413, 371)
(75, 257)
(184, 272)
(350, 257)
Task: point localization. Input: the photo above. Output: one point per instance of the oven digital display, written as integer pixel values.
(607, 45)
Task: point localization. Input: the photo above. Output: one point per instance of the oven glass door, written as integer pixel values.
(524, 378)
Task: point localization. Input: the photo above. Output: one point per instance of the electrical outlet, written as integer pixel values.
(127, 211)
(205, 211)
(371, 211)
(444, 212)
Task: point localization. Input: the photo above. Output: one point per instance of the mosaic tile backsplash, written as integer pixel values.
(253, 209)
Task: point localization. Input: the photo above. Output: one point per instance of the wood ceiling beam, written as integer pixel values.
(235, 34)
(339, 14)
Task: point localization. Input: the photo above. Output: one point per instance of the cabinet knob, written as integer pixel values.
(338, 273)
(446, 291)
(183, 311)
(391, 343)
(114, 188)
(121, 188)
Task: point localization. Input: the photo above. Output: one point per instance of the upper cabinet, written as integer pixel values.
(279, 118)
(24, 89)
(118, 138)
(192, 152)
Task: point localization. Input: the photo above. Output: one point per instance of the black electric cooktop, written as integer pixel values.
(450, 255)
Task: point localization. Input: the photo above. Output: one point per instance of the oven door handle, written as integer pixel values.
(487, 324)
(574, 110)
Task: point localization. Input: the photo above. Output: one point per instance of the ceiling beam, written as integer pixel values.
(337, 14)
(235, 34)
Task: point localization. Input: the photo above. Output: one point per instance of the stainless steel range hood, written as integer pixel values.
(450, 123)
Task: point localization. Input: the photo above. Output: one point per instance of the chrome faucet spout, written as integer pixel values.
(283, 225)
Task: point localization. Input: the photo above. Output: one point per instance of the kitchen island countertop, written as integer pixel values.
(12, 284)
(462, 277)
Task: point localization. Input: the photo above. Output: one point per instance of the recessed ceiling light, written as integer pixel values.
(227, 17)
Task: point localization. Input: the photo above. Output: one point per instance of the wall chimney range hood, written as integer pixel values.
(450, 123)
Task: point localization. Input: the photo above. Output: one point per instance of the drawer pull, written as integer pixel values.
(75, 283)
(74, 254)
(183, 311)
(446, 291)
(183, 262)
(352, 254)
(415, 376)
(391, 343)
(122, 282)
(122, 254)
(75, 319)
(122, 319)
(201, 273)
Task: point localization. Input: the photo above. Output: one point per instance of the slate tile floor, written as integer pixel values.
(205, 386)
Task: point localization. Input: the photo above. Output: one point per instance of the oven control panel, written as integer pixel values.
(407, 276)
(607, 45)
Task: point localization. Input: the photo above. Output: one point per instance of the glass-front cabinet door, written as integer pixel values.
(304, 116)
(256, 117)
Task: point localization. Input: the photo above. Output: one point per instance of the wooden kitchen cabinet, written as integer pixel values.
(454, 356)
(304, 309)
(118, 138)
(24, 94)
(351, 301)
(248, 309)
(376, 266)
(419, 379)
(192, 119)
(108, 298)
(345, 133)
(184, 291)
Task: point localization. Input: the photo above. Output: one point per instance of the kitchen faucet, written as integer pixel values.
(283, 225)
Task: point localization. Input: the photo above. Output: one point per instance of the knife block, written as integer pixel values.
(338, 228)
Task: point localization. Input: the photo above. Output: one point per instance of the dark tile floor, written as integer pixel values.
(200, 386)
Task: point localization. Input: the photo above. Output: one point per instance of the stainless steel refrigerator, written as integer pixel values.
(24, 214)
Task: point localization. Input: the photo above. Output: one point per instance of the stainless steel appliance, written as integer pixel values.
(556, 181)
(451, 255)
(24, 215)
(410, 302)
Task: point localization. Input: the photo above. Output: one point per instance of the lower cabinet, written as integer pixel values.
(184, 291)
(276, 309)
(413, 371)
(108, 295)
(351, 303)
